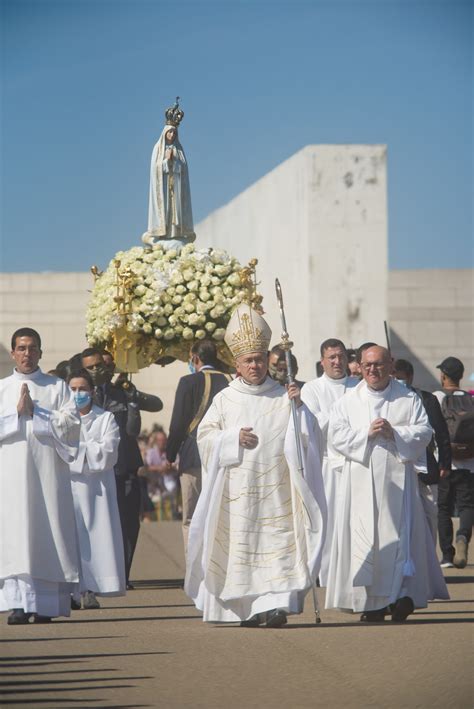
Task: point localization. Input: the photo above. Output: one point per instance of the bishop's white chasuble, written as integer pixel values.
(257, 534)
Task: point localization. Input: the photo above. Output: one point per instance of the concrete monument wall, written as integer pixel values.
(318, 222)
(431, 316)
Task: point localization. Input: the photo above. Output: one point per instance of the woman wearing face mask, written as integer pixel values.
(95, 499)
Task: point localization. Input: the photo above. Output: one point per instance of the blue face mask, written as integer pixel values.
(82, 399)
(192, 368)
(402, 382)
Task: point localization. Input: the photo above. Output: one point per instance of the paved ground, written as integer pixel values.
(150, 649)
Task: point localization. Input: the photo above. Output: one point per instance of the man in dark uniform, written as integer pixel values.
(125, 402)
(437, 468)
(194, 395)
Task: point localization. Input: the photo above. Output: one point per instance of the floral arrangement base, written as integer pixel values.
(153, 302)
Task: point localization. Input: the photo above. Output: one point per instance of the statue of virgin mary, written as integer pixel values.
(170, 215)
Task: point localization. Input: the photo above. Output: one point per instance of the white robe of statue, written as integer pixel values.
(257, 533)
(95, 505)
(382, 547)
(170, 213)
(38, 552)
(319, 396)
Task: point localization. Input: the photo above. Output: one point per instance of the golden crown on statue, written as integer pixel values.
(174, 115)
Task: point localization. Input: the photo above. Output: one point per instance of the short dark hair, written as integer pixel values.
(403, 365)
(332, 342)
(63, 369)
(75, 362)
(276, 349)
(83, 374)
(360, 350)
(25, 332)
(351, 355)
(206, 351)
(90, 352)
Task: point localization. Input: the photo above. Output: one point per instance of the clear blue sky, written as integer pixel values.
(85, 83)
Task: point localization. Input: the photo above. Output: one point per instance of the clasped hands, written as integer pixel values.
(381, 427)
(249, 440)
(25, 404)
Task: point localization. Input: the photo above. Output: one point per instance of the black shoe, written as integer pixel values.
(89, 601)
(377, 616)
(402, 609)
(41, 619)
(252, 622)
(275, 619)
(130, 586)
(75, 605)
(18, 617)
(446, 562)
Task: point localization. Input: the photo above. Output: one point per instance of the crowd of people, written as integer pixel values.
(347, 480)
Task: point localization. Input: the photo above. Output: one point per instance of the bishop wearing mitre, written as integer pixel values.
(257, 534)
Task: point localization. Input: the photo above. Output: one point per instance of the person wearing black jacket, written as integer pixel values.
(194, 395)
(437, 468)
(125, 402)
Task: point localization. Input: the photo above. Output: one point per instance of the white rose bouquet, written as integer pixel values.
(160, 300)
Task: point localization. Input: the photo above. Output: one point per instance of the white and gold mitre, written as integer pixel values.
(247, 332)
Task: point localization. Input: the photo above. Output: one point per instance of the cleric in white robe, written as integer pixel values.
(102, 566)
(383, 557)
(257, 534)
(39, 433)
(319, 396)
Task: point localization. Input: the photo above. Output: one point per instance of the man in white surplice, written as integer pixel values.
(319, 395)
(383, 557)
(257, 533)
(39, 435)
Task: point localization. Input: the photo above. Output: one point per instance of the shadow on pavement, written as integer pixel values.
(22, 672)
(132, 619)
(45, 640)
(70, 700)
(36, 663)
(459, 579)
(36, 682)
(451, 601)
(50, 700)
(81, 658)
(67, 689)
(384, 624)
(126, 608)
(442, 613)
(157, 583)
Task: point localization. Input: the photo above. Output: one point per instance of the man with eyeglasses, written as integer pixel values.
(383, 558)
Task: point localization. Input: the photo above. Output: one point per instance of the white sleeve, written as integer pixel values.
(352, 443)
(9, 424)
(310, 397)
(411, 440)
(209, 432)
(61, 425)
(102, 449)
